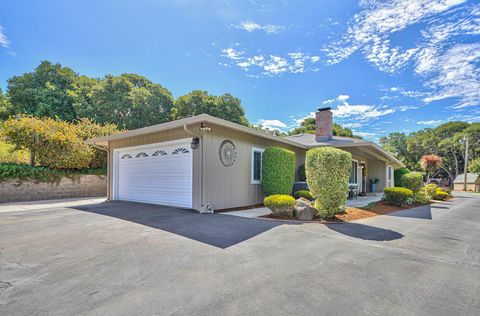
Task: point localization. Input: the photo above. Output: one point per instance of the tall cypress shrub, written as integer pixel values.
(278, 171)
(328, 170)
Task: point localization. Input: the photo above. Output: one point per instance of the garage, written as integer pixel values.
(156, 173)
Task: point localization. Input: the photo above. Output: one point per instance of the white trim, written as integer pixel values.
(261, 150)
(356, 173)
(389, 182)
(116, 152)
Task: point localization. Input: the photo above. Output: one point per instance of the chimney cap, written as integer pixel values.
(324, 109)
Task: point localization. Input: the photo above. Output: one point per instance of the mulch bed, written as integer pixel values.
(353, 213)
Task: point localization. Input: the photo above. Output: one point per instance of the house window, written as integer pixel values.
(389, 172)
(353, 173)
(256, 165)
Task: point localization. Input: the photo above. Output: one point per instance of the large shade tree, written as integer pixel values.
(130, 101)
(44, 92)
(197, 102)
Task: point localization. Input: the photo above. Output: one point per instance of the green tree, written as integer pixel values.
(307, 126)
(130, 101)
(44, 92)
(197, 102)
(5, 106)
(474, 166)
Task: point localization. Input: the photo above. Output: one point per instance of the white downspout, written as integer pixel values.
(201, 160)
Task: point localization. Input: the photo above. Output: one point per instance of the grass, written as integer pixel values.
(8, 154)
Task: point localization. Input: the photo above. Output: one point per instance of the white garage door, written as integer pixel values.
(157, 173)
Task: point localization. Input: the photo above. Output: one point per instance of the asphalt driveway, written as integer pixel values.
(119, 258)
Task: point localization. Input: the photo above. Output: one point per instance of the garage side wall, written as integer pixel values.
(230, 187)
(159, 137)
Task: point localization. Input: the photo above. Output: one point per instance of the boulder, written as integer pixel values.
(304, 210)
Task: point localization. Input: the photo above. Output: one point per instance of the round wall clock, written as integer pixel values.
(228, 153)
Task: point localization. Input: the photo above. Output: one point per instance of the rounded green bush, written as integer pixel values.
(430, 190)
(412, 181)
(278, 171)
(280, 204)
(397, 196)
(303, 193)
(398, 174)
(441, 195)
(328, 170)
(421, 197)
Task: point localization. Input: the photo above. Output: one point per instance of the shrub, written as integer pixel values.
(280, 204)
(328, 170)
(397, 196)
(421, 197)
(56, 144)
(412, 181)
(303, 193)
(278, 171)
(441, 195)
(430, 190)
(42, 174)
(398, 174)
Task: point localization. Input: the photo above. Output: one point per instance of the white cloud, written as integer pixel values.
(4, 41)
(430, 122)
(232, 53)
(251, 26)
(352, 125)
(363, 134)
(370, 30)
(295, 62)
(404, 108)
(358, 111)
(272, 124)
(455, 74)
(449, 67)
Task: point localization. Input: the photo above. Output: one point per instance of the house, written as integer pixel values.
(473, 182)
(203, 159)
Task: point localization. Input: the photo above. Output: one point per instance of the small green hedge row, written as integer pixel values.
(412, 181)
(42, 174)
(278, 170)
(397, 196)
(280, 204)
(303, 193)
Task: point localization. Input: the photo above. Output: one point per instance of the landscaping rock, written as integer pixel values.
(304, 210)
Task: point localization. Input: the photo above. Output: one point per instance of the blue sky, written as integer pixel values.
(383, 66)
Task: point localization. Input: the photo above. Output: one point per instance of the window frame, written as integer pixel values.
(355, 172)
(252, 165)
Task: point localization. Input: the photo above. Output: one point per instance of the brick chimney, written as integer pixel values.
(323, 125)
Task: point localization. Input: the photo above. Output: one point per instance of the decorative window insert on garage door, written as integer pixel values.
(158, 173)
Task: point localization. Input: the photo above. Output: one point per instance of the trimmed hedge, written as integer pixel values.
(278, 171)
(303, 193)
(412, 181)
(441, 195)
(328, 170)
(397, 196)
(42, 174)
(280, 204)
(430, 190)
(421, 197)
(398, 174)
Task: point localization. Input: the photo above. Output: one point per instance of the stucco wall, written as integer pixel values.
(470, 187)
(84, 186)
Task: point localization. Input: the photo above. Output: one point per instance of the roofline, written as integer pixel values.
(202, 118)
(364, 144)
(206, 118)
